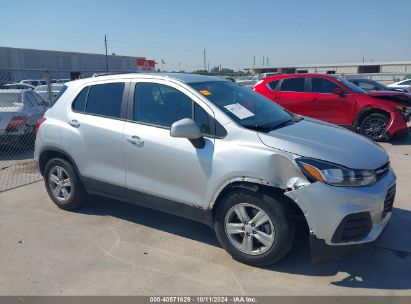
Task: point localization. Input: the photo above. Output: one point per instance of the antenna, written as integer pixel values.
(105, 43)
(205, 64)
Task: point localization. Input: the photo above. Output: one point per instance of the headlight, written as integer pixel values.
(336, 175)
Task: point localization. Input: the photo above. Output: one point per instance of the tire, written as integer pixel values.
(74, 194)
(280, 225)
(374, 126)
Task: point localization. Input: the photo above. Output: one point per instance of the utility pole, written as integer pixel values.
(208, 69)
(105, 43)
(267, 61)
(263, 60)
(205, 65)
(254, 62)
(179, 66)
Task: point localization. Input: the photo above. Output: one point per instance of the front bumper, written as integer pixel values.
(397, 124)
(327, 207)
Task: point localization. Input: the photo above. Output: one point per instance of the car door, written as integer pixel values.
(291, 94)
(328, 106)
(158, 165)
(93, 136)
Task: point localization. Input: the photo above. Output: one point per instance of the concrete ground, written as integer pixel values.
(111, 248)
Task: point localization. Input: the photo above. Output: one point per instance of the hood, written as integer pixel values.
(401, 97)
(324, 141)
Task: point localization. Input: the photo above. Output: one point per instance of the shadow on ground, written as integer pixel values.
(374, 267)
(402, 140)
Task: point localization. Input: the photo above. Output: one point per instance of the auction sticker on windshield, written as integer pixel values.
(239, 111)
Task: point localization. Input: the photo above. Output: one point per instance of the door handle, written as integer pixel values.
(135, 140)
(74, 123)
(314, 99)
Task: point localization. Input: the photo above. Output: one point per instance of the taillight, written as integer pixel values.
(38, 124)
(17, 122)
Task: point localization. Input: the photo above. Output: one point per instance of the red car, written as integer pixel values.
(377, 115)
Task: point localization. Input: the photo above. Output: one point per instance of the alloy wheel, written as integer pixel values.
(60, 184)
(249, 229)
(375, 128)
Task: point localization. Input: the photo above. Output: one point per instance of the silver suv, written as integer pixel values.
(216, 152)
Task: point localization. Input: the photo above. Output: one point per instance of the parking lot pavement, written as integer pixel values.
(17, 168)
(111, 248)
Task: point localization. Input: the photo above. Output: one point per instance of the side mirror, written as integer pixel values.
(376, 89)
(339, 92)
(187, 128)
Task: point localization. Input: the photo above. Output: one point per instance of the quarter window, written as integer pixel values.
(321, 85)
(79, 103)
(105, 99)
(293, 84)
(273, 84)
(202, 119)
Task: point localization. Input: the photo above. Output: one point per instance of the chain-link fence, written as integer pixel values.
(25, 95)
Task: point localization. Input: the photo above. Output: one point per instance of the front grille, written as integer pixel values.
(382, 171)
(353, 227)
(389, 200)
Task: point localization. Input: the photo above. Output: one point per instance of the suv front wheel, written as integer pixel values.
(255, 228)
(63, 184)
(374, 126)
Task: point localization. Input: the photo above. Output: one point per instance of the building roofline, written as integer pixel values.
(68, 52)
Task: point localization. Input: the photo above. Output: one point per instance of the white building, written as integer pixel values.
(17, 64)
(383, 71)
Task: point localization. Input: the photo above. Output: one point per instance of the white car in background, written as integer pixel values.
(34, 82)
(249, 83)
(18, 86)
(55, 90)
(403, 84)
(19, 112)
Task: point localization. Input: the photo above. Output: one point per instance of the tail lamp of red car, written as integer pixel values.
(17, 122)
(38, 124)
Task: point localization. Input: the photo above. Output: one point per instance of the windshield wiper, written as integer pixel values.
(258, 128)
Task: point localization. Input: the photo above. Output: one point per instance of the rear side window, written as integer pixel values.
(273, 84)
(105, 99)
(321, 85)
(293, 84)
(79, 103)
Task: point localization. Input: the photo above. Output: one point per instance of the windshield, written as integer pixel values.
(351, 86)
(249, 109)
(380, 85)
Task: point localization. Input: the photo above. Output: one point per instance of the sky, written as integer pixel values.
(232, 32)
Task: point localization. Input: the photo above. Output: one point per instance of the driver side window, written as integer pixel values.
(161, 105)
(321, 85)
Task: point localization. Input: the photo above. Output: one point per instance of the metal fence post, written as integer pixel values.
(49, 92)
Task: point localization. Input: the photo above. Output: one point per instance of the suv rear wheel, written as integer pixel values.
(374, 126)
(253, 227)
(63, 184)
